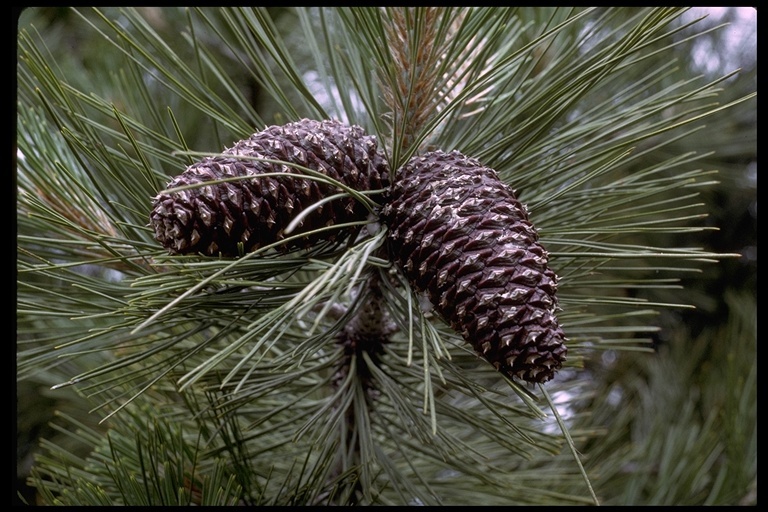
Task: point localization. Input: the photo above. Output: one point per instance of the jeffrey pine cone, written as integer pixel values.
(462, 237)
(213, 219)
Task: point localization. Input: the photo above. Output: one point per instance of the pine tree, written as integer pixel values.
(223, 331)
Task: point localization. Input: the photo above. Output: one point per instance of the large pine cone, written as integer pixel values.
(214, 219)
(461, 236)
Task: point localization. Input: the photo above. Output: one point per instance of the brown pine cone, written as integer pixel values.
(214, 219)
(461, 236)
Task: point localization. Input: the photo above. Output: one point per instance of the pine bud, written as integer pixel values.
(213, 219)
(461, 237)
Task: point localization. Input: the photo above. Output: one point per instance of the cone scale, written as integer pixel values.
(461, 237)
(214, 219)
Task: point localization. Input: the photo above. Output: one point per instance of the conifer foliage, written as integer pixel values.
(262, 326)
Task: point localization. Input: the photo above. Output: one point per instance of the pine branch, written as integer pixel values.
(318, 375)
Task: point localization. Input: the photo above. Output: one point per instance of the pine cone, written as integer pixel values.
(460, 235)
(214, 219)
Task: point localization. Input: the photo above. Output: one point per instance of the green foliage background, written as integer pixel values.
(637, 164)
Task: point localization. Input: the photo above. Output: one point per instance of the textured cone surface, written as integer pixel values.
(214, 218)
(461, 236)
